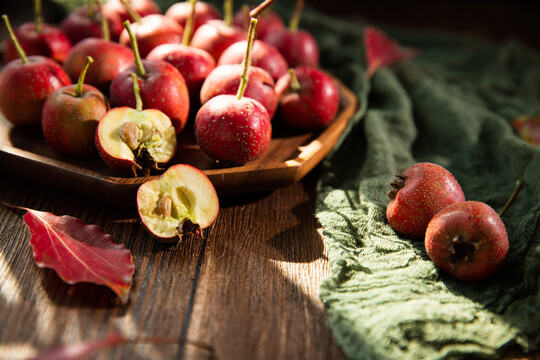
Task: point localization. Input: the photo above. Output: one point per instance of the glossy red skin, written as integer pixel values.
(163, 88)
(24, 88)
(233, 130)
(151, 31)
(225, 79)
(110, 59)
(428, 188)
(116, 13)
(204, 12)
(297, 47)
(69, 122)
(215, 36)
(77, 25)
(49, 42)
(314, 106)
(269, 21)
(263, 55)
(476, 222)
(194, 65)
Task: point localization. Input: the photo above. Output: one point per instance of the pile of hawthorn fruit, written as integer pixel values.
(466, 239)
(120, 78)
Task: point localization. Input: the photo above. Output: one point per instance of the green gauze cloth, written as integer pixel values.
(453, 105)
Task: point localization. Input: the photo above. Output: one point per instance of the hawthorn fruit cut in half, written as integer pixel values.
(180, 203)
(134, 139)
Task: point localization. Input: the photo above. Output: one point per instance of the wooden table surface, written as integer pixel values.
(247, 291)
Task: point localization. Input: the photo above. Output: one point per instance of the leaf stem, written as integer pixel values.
(38, 16)
(82, 75)
(517, 189)
(295, 20)
(188, 29)
(247, 58)
(18, 47)
(137, 91)
(138, 61)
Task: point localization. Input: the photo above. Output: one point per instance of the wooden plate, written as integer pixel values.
(290, 156)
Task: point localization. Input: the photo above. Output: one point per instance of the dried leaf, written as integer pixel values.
(80, 350)
(528, 127)
(79, 252)
(382, 51)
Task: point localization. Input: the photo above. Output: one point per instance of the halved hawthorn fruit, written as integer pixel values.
(180, 203)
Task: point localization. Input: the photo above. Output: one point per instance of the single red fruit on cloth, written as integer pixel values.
(311, 103)
(24, 86)
(419, 193)
(180, 203)
(204, 12)
(468, 240)
(382, 51)
(50, 42)
(79, 252)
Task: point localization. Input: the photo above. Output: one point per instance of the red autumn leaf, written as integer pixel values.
(382, 51)
(528, 127)
(79, 252)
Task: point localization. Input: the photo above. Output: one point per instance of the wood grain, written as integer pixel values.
(249, 290)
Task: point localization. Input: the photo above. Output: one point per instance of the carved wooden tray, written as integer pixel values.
(291, 155)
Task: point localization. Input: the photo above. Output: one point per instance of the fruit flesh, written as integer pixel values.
(192, 197)
(160, 144)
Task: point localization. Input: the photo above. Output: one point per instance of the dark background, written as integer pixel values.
(494, 20)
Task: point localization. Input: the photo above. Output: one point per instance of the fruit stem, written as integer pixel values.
(105, 33)
(137, 91)
(256, 12)
(138, 61)
(295, 84)
(38, 16)
(188, 29)
(18, 47)
(131, 12)
(517, 189)
(228, 12)
(82, 75)
(90, 8)
(247, 58)
(295, 20)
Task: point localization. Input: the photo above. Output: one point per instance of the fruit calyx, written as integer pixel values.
(396, 185)
(187, 228)
(462, 249)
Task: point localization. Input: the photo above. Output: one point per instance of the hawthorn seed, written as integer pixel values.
(164, 206)
(130, 133)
